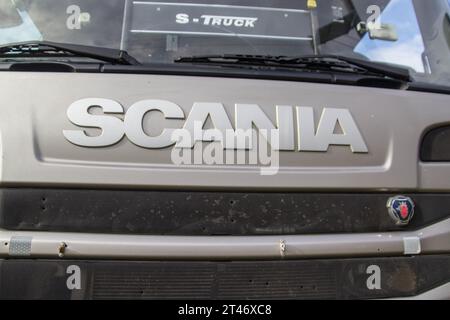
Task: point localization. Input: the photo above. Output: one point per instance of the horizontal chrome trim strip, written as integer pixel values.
(431, 240)
(241, 35)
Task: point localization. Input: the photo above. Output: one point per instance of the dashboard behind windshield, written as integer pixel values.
(401, 32)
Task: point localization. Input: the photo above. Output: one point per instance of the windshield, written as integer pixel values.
(410, 33)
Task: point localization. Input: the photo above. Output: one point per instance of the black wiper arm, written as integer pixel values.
(49, 49)
(327, 63)
(380, 68)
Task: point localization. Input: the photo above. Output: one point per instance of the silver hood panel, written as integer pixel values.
(34, 152)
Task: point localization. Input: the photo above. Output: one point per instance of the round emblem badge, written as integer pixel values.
(401, 209)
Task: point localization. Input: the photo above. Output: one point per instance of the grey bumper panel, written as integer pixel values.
(434, 239)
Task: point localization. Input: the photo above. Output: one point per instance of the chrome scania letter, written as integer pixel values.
(112, 127)
(133, 123)
(248, 115)
(200, 112)
(325, 136)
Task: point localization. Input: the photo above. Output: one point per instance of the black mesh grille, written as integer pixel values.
(296, 279)
(436, 145)
(222, 281)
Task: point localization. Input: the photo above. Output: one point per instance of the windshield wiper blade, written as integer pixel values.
(55, 49)
(325, 63)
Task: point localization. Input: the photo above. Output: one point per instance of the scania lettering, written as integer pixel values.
(226, 149)
(246, 115)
